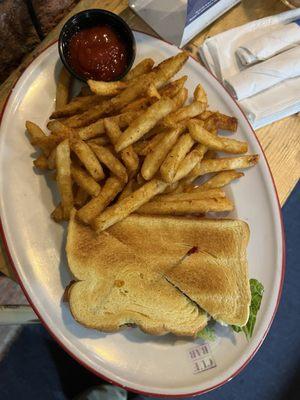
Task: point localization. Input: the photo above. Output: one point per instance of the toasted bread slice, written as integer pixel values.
(117, 287)
(142, 271)
(216, 275)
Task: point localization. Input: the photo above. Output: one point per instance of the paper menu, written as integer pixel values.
(178, 21)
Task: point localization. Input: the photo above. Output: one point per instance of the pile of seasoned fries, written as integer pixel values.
(134, 146)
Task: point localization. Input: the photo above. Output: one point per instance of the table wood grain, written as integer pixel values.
(280, 140)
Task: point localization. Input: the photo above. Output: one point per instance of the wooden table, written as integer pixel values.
(280, 140)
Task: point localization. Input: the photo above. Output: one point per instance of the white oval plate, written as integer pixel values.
(153, 365)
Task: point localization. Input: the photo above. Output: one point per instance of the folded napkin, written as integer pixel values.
(264, 75)
(263, 47)
(219, 55)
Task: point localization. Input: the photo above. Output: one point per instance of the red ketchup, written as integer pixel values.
(98, 53)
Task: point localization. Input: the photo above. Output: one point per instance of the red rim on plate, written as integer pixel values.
(2, 234)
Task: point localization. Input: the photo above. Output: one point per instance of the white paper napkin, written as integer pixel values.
(270, 44)
(264, 75)
(218, 54)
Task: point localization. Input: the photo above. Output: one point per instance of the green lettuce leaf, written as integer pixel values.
(257, 290)
(207, 333)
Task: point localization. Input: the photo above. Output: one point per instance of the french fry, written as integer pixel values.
(223, 164)
(191, 195)
(179, 99)
(172, 88)
(185, 112)
(106, 157)
(213, 142)
(76, 106)
(98, 128)
(172, 188)
(41, 162)
(189, 162)
(57, 214)
(85, 181)
(224, 122)
(205, 115)
(106, 88)
(200, 94)
(220, 180)
(95, 206)
(58, 128)
(63, 177)
(63, 88)
(35, 134)
(47, 143)
(209, 154)
(80, 198)
(140, 180)
(128, 155)
(168, 68)
(139, 104)
(142, 124)
(88, 158)
(169, 167)
(143, 148)
(100, 141)
(128, 205)
(141, 68)
(217, 204)
(52, 159)
(128, 189)
(152, 92)
(155, 158)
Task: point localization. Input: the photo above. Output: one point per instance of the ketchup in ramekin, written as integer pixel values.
(98, 45)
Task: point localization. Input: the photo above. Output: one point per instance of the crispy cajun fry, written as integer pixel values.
(153, 92)
(172, 188)
(191, 195)
(179, 99)
(100, 141)
(85, 181)
(35, 134)
(106, 88)
(222, 164)
(139, 104)
(128, 155)
(209, 154)
(89, 116)
(200, 94)
(81, 198)
(58, 128)
(63, 177)
(41, 162)
(185, 112)
(106, 157)
(88, 158)
(213, 142)
(141, 68)
(224, 122)
(52, 159)
(140, 180)
(205, 115)
(169, 167)
(142, 124)
(172, 88)
(220, 180)
(128, 205)
(47, 143)
(216, 204)
(98, 128)
(168, 68)
(57, 214)
(78, 105)
(128, 189)
(95, 206)
(63, 88)
(189, 162)
(155, 158)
